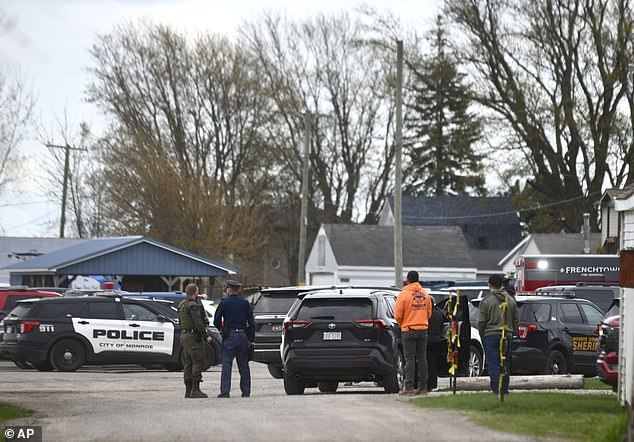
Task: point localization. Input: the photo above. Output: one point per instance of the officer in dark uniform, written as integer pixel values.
(235, 318)
(191, 315)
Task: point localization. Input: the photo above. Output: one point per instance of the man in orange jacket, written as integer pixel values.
(412, 312)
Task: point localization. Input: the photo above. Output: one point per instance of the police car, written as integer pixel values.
(66, 333)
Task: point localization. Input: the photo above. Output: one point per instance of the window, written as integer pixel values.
(593, 315)
(103, 310)
(538, 312)
(135, 312)
(390, 301)
(570, 313)
(54, 309)
(335, 309)
(274, 304)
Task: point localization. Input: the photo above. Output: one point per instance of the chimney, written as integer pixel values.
(586, 233)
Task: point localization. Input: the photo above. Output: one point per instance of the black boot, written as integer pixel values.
(188, 387)
(196, 393)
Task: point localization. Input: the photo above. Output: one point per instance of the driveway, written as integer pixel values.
(133, 404)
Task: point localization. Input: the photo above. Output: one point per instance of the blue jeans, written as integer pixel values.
(235, 345)
(492, 353)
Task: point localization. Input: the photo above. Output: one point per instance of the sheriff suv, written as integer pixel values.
(67, 333)
(556, 335)
(341, 335)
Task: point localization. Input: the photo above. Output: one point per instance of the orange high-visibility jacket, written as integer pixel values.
(413, 308)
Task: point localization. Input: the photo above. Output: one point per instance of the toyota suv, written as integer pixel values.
(342, 335)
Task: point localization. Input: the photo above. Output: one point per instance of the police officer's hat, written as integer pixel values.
(230, 283)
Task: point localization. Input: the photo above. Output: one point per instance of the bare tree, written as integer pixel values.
(186, 159)
(318, 66)
(554, 76)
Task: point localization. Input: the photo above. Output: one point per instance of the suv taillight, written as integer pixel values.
(294, 324)
(27, 326)
(371, 323)
(525, 330)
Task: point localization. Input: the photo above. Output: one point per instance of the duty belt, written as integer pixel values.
(188, 330)
(237, 330)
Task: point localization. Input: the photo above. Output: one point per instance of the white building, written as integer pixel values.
(364, 254)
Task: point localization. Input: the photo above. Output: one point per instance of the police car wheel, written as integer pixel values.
(556, 363)
(67, 355)
(293, 386)
(276, 371)
(210, 356)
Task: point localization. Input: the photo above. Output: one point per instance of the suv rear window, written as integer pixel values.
(274, 303)
(22, 310)
(335, 309)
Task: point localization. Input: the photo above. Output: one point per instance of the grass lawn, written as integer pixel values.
(563, 415)
(9, 412)
(595, 384)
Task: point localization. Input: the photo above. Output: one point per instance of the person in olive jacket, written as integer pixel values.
(191, 315)
(490, 324)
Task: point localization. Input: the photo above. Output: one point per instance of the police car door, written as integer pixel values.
(100, 323)
(144, 333)
(582, 336)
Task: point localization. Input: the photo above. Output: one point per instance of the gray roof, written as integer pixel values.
(423, 246)
(129, 255)
(564, 243)
(487, 259)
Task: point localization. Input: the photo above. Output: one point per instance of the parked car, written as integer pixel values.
(10, 296)
(341, 335)
(472, 291)
(67, 333)
(270, 307)
(556, 335)
(608, 360)
(601, 295)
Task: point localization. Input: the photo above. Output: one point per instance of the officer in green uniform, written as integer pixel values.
(191, 315)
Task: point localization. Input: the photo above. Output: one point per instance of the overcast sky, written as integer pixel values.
(48, 41)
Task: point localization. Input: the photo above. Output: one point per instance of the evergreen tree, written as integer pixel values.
(440, 130)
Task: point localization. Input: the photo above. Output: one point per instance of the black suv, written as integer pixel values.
(340, 335)
(602, 296)
(556, 335)
(270, 307)
(66, 333)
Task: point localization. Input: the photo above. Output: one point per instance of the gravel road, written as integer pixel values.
(132, 404)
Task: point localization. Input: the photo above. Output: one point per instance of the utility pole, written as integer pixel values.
(67, 148)
(301, 264)
(398, 236)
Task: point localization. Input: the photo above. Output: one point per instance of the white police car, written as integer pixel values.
(66, 333)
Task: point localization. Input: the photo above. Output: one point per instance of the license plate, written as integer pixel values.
(332, 336)
(276, 328)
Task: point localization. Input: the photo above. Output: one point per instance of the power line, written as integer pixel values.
(26, 203)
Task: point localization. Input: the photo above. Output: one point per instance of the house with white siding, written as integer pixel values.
(361, 254)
